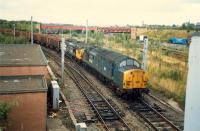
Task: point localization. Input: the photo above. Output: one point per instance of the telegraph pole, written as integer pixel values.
(145, 51)
(70, 31)
(14, 30)
(63, 49)
(39, 28)
(62, 32)
(31, 30)
(86, 31)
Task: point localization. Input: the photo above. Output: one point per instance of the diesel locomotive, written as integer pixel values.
(122, 71)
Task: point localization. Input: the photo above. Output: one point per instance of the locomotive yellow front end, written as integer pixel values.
(135, 79)
(79, 53)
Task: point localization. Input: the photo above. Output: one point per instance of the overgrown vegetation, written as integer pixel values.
(7, 39)
(19, 25)
(162, 35)
(5, 108)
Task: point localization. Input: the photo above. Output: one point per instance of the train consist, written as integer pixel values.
(122, 72)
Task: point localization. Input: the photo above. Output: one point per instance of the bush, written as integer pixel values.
(5, 108)
(6, 39)
(173, 74)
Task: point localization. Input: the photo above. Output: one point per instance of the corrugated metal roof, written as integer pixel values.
(21, 55)
(21, 84)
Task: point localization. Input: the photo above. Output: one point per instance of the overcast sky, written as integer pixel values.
(102, 12)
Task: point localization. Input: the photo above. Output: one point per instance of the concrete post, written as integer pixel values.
(14, 30)
(86, 32)
(63, 49)
(70, 31)
(31, 30)
(145, 51)
(39, 28)
(192, 104)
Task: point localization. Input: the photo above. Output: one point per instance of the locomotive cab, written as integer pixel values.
(79, 53)
(135, 78)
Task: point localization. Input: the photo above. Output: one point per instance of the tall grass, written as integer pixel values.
(7, 39)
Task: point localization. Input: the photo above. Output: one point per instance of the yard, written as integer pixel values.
(167, 64)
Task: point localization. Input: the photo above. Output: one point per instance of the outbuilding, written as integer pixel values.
(28, 95)
(23, 81)
(22, 59)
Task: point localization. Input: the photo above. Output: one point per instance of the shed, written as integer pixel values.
(22, 59)
(29, 95)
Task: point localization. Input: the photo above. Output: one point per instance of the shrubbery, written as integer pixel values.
(5, 108)
(6, 39)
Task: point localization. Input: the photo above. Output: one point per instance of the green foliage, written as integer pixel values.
(6, 39)
(172, 74)
(5, 108)
(19, 25)
(188, 26)
(95, 38)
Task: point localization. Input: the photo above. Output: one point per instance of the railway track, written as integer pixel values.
(109, 116)
(172, 114)
(163, 103)
(152, 114)
(167, 122)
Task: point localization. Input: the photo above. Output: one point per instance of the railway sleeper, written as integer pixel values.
(107, 114)
(100, 107)
(155, 120)
(105, 110)
(168, 128)
(159, 123)
(110, 118)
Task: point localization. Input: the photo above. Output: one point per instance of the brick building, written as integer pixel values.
(22, 59)
(23, 76)
(28, 94)
(135, 32)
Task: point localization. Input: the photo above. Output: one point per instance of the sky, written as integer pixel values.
(102, 12)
